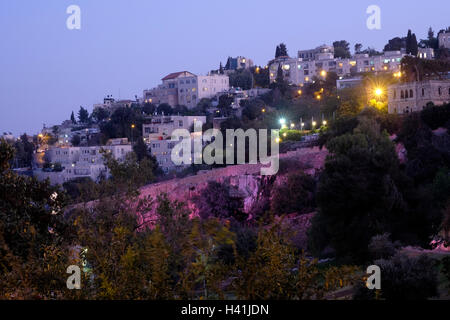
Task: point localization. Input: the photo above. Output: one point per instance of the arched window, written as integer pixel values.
(406, 94)
(402, 95)
(423, 92)
(411, 95)
(440, 91)
(395, 94)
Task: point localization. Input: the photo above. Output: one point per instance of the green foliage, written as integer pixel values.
(76, 140)
(342, 49)
(406, 278)
(24, 151)
(241, 79)
(216, 200)
(436, 116)
(295, 195)
(31, 235)
(281, 50)
(356, 193)
(83, 115)
(100, 114)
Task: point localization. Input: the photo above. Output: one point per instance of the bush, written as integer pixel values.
(405, 278)
(381, 247)
(296, 195)
(436, 116)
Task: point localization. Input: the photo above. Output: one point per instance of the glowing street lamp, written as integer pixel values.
(282, 121)
(378, 91)
(292, 125)
(324, 122)
(323, 73)
(314, 124)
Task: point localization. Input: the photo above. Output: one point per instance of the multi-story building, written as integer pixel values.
(426, 53)
(348, 83)
(414, 96)
(444, 39)
(238, 63)
(79, 162)
(161, 127)
(323, 52)
(185, 88)
(158, 133)
(318, 62)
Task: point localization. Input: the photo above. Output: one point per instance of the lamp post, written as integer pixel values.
(132, 129)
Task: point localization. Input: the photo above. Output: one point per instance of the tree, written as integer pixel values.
(75, 140)
(395, 44)
(358, 47)
(357, 194)
(216, 201)
(342, 49)
(281, 51)
(406, 278)
(32, 232)
(100, 114)
(296, 195)
(83, 115)
(241, 79)
(72, 118)
(141, 149)
(165, 108)
(221, 68)
(24, 151)
(411, 44)
(130, 174)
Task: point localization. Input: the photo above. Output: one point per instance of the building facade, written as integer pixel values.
(318, 62)
(78, 162)
(444, 39)
(414, 96)
(185, 88)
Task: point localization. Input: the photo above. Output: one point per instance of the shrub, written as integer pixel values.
(405, 278)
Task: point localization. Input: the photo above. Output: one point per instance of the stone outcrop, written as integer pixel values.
(245, 179)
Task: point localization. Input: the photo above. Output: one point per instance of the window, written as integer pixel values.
(402, 95)
(406, 94)
(395, 95)
(423, 92)
(411, 95)
(439, 90)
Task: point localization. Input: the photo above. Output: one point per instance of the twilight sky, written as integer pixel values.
(125, 46)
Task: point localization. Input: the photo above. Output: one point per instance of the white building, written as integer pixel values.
(185, 88)
(318, 62)
(161, 127)
(79, 162)
(414, 96)
(444, 39)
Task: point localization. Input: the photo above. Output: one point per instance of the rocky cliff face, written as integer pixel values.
(245, 179)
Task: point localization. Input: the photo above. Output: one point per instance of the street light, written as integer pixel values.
(323, 73)
(378, 91)
(324, 122)
(292, 125)
(282, 121)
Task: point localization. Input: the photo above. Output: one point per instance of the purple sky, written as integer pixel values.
(125, 46)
